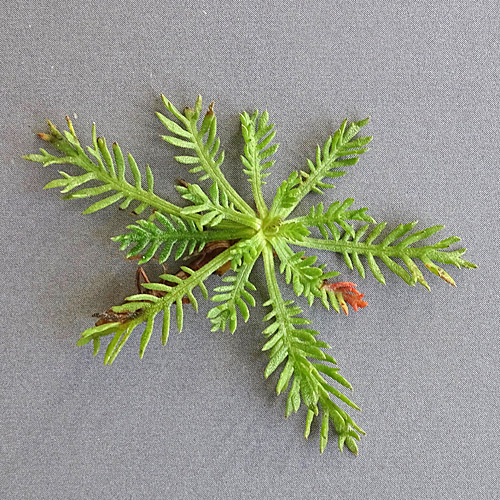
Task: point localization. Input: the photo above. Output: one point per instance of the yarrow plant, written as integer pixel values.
(222, 233)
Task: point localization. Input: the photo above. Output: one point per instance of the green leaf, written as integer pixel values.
(329, 159)
(258, 134)
(234, 296)
(309, 419)
(324, 431)
(389, 249)
(205, 149)
(214, 207)
(299, 270)
(334, 219)
(146, 336)
(160, 236)
(101, 167)
(296, 346)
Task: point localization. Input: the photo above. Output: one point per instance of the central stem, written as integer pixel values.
(271, 225)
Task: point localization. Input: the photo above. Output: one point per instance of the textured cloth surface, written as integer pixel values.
(196, 419)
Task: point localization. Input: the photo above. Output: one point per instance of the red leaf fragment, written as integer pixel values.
(346, 293)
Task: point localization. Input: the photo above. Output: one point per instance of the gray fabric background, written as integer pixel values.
(197, 419)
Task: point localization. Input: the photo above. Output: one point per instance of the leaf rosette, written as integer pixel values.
(218, 231)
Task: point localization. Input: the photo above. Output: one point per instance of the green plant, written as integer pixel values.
(219, 229)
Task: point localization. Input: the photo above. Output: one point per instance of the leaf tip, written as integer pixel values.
(44, 136)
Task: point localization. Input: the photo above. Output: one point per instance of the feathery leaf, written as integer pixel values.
(258, 134)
